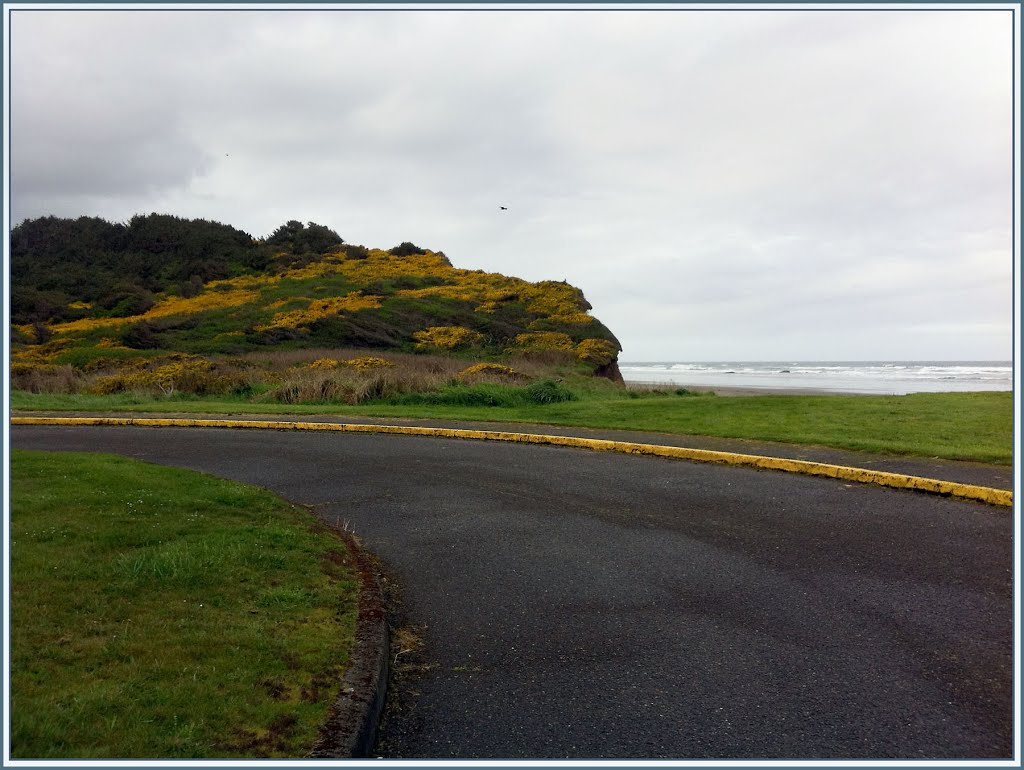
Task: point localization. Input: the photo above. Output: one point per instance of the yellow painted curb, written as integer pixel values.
(900, 481)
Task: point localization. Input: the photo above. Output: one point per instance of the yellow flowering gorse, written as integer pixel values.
(543, 341)
(548, 302)
(595, 351)
(210, 300)
(361, 363)
(490, 369)
(446, 338)
(176, 372)
(366, 362)
(321, 308)
(323, 363)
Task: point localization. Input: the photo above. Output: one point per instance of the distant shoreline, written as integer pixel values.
(823, 377)
(722, 390)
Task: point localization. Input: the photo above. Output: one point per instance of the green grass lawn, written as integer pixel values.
(961, 426)
(157, 612)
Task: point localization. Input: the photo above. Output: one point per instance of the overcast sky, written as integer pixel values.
(723, 185)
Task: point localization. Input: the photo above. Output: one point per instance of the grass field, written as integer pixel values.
(960, 426)
(157, 612)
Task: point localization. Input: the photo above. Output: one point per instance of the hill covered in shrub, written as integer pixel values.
(98, 296)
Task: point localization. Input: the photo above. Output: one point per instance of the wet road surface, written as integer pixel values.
(588, 605)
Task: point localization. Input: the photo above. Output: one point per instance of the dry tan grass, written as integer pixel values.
(354, 386)
(285, 375)
(540, 363)
(280, 360)
(48, 379)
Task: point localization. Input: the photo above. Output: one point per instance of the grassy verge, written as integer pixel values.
(157, 612)
(960, 426)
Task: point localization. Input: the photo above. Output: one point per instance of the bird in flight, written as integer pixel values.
(503, 208)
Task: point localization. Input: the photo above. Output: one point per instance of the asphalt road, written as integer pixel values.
(591, 605)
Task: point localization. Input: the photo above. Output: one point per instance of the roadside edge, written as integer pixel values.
(1001, 497)
(350, 730)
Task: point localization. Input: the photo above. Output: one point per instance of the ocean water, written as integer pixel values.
(875, 377)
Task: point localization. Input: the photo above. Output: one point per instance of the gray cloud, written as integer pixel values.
(721, 184)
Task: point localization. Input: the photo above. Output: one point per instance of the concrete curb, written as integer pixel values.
(1003, 497)
(350, 730)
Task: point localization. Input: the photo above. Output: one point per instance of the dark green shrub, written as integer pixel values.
(41, 332)
(193, 287)
(140, 336)
(308, 238)
(406, 249)
(356, 252)
(125, 300)
(549, 392)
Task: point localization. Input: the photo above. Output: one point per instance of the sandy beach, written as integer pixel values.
(721, 390)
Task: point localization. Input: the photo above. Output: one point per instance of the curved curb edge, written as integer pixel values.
(350, 730)
(1003, 497)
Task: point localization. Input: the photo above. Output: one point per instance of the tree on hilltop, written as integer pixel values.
(406, 249)
(300, 238)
